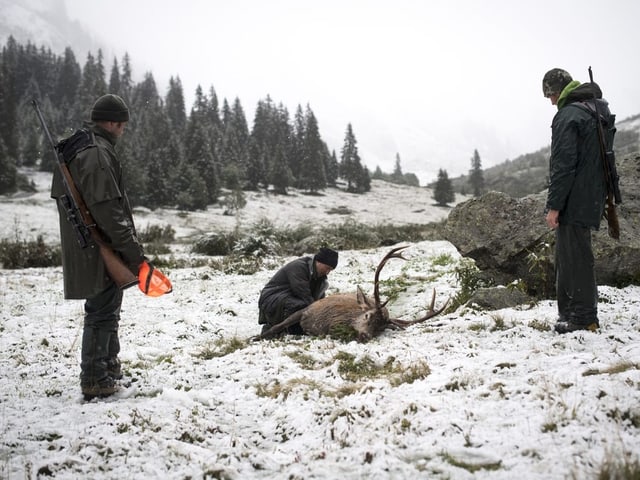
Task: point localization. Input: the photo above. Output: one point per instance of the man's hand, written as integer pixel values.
(552, 218)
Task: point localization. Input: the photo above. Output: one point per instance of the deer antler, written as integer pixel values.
(430, 314)
(392, 254)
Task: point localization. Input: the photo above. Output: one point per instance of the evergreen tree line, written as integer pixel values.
(171, 158)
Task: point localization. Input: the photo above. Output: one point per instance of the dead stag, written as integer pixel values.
(351, 315)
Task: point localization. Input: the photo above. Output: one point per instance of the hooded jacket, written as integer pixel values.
(97, 174)
(297, 278)
(576, 180)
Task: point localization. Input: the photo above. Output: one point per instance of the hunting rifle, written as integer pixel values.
(82, 221)
(610, 171)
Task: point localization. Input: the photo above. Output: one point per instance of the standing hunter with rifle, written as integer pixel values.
(582, 179)
(101, 254)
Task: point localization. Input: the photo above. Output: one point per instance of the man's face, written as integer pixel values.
(553, 98)
(322, 269)
(119, 128)
(115, 128)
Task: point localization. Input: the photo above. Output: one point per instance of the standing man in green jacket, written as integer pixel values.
(576, 197)
(97, 173)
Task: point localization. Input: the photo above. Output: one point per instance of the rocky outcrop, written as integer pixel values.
(509, 239)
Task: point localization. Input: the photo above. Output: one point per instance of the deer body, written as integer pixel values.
(353, 310)
(367, 317)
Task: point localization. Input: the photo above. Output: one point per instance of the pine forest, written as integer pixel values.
(172, 158)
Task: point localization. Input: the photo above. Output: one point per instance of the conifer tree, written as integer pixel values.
(9, 98)
(8, 171)
(126, 79)
(331, 166)
(377, 173)
(92, 86)
(312, 175)
(174, 104)
(234, 143)
(397, 176)
(443, 192)
(114, 79)
(67, 83)
(297, 147)
(280, 173)
(476, 176)
(358, 179)
(260, 146)
(200, 149)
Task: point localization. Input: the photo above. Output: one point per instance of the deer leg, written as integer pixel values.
(292, 319)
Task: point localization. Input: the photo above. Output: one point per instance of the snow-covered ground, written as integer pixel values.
(468, 395)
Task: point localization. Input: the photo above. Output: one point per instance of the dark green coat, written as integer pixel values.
(297, 279)
(576, 180)
(97, 173)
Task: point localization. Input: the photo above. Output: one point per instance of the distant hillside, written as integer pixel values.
(528, 173)
(45, 22)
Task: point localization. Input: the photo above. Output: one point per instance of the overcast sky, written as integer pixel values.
(429, 80)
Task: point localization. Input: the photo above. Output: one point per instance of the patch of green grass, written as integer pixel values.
(442, 260)
(343, 332)
(353, 369)
(306, 361)
(221, 347)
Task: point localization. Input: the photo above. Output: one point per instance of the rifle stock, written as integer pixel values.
(116, 268)
(612, 218)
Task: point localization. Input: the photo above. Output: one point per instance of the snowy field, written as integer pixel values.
(470, 395)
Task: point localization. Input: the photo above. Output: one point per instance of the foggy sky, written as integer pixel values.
(429, 80)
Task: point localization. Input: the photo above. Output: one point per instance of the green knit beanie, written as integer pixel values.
(110, 108)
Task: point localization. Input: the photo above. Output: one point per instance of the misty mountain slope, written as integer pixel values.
(529, 173)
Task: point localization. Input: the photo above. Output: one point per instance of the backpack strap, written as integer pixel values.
(590, 108)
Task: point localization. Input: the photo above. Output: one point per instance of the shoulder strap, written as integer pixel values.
(590, 108)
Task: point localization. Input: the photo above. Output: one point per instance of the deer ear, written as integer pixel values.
(363, 300)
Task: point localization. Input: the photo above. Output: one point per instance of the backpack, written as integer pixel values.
(608, 122)
(80, 140)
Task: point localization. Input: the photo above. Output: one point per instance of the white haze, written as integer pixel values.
(430, 81)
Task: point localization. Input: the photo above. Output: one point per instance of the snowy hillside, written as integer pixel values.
(471, 395)
(387, 203)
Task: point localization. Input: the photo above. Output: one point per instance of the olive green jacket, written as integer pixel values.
(97, 174)
(577, 187)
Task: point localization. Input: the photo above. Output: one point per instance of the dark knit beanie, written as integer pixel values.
(554, 81)
(110, 108)
(328, 257)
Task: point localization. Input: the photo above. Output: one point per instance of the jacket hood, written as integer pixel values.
(578, 92)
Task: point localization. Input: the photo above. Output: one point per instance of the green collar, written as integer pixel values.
(566, 91)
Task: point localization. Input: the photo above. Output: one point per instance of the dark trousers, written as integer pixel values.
(100, 342)
(279, 312)
(576, 286)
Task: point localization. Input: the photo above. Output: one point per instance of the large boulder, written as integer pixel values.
(509, 239)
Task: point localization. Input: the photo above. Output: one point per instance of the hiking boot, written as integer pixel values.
(564, 326)
(103, 388)
(114, 368)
